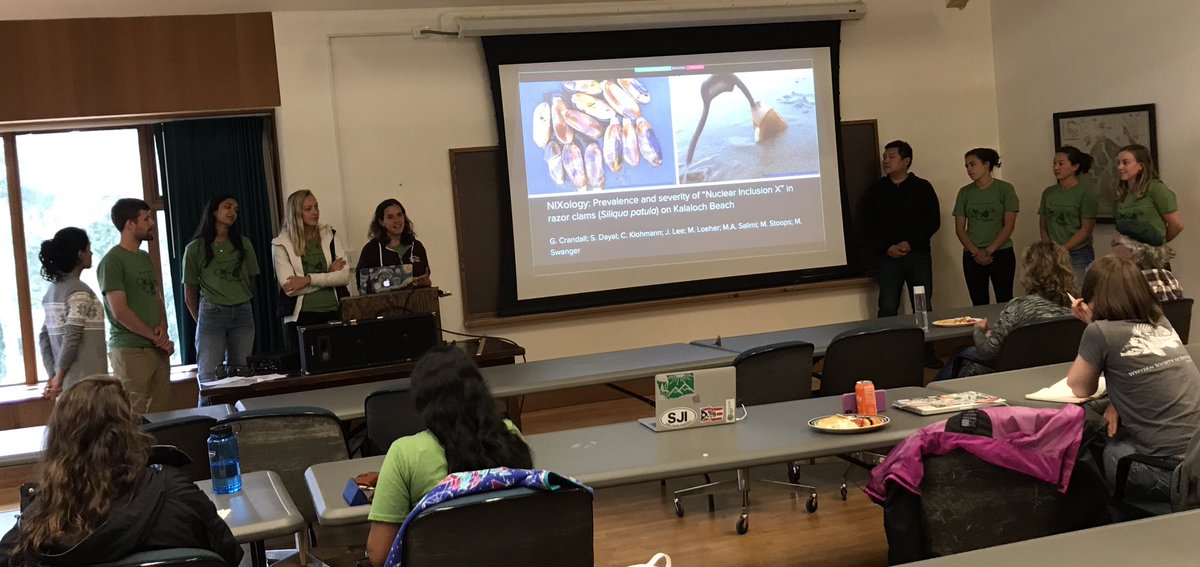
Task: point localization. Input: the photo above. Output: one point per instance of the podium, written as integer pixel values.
(406, 301)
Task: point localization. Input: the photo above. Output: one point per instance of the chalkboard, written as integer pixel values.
(478, 177)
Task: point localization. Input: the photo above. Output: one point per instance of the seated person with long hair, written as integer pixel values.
(1047, 276)
(100, 499)
(1153, 384)
(464, 434)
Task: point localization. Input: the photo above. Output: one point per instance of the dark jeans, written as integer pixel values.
(1001, 272)
(892, 274)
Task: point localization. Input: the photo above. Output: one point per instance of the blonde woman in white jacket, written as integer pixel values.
(310, 264)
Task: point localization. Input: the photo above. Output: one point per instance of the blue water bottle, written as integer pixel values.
(223, 460)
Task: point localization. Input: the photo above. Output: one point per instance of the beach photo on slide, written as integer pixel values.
(593, 134)
(746, 125)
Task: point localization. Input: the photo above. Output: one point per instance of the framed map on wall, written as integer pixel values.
(1101, 133)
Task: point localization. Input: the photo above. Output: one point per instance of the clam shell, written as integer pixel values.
(636, 89)
(588, 86)
(612, 146)
(572, 158)
(541, 124)
(648, 142)
(595, 107)
(593, 162)
(585, 124)
(629, 144)
(620, 100)
(562, 132)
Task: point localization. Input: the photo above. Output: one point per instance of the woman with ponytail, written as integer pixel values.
(1067, 213)
(72, 336)
(464, 434)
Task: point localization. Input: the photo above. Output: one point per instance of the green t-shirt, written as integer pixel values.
(1066, 209)
(1158, 201)
(984, 210)
(323, 300)
(413, 466)
(134, 274)
(225, 280)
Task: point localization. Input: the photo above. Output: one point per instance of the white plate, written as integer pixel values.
(879, 422)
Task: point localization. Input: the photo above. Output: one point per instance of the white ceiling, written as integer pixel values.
(49, 9)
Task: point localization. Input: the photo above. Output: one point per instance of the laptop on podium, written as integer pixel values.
(694, 398)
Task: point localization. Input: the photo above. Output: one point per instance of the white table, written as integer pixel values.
(1162, 540)
(626, 453)
(21, 446)
(262, 509)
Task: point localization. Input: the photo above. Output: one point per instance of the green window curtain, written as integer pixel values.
(201, 158)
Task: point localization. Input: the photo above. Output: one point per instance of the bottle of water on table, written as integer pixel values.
(920, 307)
(223, 460)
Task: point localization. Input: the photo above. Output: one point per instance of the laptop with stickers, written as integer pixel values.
(696, 398)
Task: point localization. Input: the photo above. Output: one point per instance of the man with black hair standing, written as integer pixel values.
(902, 215)
(139, 348)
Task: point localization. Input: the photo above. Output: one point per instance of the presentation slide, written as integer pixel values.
(635, 172)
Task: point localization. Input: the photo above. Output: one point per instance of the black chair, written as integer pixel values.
(190, 435)
(288, 441)
(767, 374)
(390, 415)
(523, 527)
(1185, 482)
(967, 503)
(181, 557)
(890, 357)
(1179, 313)
(1037, 343)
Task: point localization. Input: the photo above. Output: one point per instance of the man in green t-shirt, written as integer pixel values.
(139, 348)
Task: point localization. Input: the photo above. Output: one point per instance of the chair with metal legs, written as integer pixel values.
(767, 374)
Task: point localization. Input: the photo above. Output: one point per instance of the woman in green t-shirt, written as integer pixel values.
(310, 264)
(1067, 213)
(1142, 196)
(985, 214)
(464, 433)
(218, 265)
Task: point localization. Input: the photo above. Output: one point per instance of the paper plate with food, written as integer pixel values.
(848, 423)
(964, 321)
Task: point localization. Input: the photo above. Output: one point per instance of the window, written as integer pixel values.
(65, 179)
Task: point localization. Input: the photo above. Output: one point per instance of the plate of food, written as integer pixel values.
(964, 321)
(848, 423)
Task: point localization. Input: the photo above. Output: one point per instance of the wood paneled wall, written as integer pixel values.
(52, 69)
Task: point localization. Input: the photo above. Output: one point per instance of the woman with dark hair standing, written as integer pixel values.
(100, 498)
(218, 267)
(391, 242)
(1143, 197)
(985, 214)
(1153, 384)
(464, 434)
(1067, 214)
(72, 336)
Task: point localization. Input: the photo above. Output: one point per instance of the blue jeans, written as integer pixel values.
(1081, 258)
(947, 371)
(893, 274)
(224, 335)
(1144, 482)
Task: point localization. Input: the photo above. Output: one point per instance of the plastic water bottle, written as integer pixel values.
(223, 460)
(920, 307)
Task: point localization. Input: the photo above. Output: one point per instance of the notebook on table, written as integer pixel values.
(946, 403)
(1061, 392)
(695, 398)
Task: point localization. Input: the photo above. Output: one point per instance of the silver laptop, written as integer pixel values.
(385, 278)
(695, 398)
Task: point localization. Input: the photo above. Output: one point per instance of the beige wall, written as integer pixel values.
(1079, 54)
(368, 112)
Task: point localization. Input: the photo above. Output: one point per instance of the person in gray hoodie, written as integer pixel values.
(72, 336)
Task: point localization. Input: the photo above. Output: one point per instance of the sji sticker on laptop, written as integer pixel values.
(676, 386)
